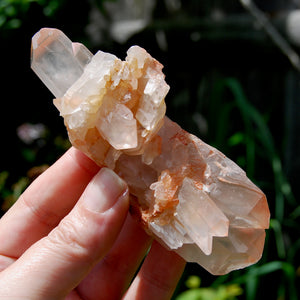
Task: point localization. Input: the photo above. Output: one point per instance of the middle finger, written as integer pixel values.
(112, 276)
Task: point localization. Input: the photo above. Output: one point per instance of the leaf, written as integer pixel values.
(199, 294)
(3, 178)
(193, 282)
(236, 139)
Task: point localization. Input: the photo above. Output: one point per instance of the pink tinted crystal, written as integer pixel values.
(188, 195)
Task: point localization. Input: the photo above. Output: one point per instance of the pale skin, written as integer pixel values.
(70, 236)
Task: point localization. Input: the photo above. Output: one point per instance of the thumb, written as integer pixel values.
(56, 264)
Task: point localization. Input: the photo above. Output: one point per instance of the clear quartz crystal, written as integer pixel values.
(56, 60)
(202, 218)
(188, 195)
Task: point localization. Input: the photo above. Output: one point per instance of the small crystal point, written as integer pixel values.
(57, 61)
(200, 215)
(190, 196)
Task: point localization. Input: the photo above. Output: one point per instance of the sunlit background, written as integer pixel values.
(233, 67)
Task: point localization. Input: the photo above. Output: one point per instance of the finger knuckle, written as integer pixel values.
(69, 238)
(160, 284)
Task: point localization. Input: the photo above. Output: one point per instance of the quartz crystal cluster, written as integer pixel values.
(188, 195)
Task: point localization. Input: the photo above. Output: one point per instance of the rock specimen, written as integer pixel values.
(192, 198)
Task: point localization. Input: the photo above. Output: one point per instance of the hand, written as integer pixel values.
(54, 246)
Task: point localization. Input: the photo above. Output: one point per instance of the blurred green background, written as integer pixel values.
(234, 74)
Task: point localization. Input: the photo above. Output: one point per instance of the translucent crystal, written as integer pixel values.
(115, 126)
(188, 195)
(57, 61)
(202, 218)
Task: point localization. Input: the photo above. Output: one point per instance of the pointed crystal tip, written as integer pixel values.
(56, 60)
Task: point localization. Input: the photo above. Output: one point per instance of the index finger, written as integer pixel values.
(45, 202)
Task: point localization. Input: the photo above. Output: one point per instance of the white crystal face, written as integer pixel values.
(119, 128)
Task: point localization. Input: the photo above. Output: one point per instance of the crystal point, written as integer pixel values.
(187, 194)
(57, 61)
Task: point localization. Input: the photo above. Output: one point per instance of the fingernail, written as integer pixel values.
(104, 191)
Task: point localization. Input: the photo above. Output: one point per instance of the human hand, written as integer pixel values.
(54, 246)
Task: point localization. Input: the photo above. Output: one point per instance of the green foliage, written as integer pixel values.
(38, 149)
(193, 282)
(12, 12)
(255, 137)
(257, 140)
(221, 292)
(10, 194)
(3, 179)
(253, 144)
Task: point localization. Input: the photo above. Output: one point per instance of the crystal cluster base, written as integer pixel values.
(185, 193)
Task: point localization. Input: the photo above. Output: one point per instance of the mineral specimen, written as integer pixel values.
(187, 194)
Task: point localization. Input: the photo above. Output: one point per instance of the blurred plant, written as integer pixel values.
(250, 279)
(3, 179)
(9, 195)
(118, 19)
(255, 138)
(29, 133)
(221, 292)
(38, 149)
(12, 12)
